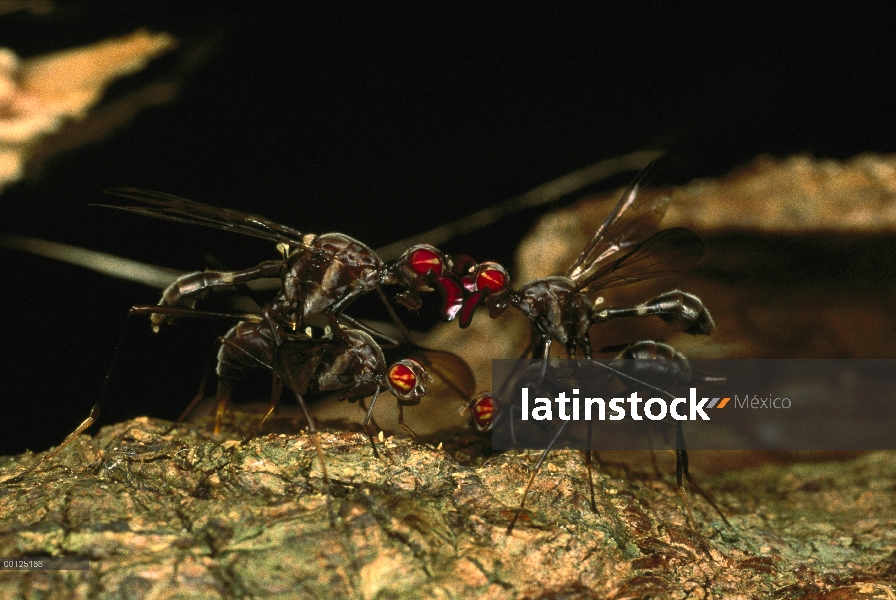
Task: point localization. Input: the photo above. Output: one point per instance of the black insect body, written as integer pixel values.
(622, 251)
(318, 272)
(660, 365)
(347, 361)
(642, 366)
(321, 275)
(618, 254)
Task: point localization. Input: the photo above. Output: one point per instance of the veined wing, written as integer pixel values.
(634, 217)
(672, 251)
(175, 208)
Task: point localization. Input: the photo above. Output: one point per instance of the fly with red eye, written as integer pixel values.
(353, 363)
(320, 276)
(345, 361)
(622, 251)
(318, 273)
(619, 253)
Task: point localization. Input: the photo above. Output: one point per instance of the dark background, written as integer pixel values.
(383, 122)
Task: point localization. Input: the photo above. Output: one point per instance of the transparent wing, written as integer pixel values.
(174, 208)
(672, 251)
(633, 218)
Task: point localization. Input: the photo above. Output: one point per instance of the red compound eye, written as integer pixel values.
(402, 377)
(483, 408)
(425, 260)
(492, 280)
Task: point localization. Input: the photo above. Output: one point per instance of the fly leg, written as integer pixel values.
(681, 469)
(245, 346)
(366, 424)
(200, 394)
(90, 420)
(294, 384)
(373, 422)
(402, 423)
(185, 289)
(544, 359)
(94, 412)
(682, 311)
(532, 475)
(589, 468)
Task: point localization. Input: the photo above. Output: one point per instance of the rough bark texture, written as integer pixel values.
(183, 515)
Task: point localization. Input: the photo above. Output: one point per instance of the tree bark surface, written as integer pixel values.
(184, 515)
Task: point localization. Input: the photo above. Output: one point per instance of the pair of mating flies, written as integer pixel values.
(321, 275)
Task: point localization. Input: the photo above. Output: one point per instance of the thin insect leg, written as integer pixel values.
(631, 378)
(681, 467)
(401, 421)
(588, 466)
(311, 428)
(203, 385)
(512, 427)
(392, 314)
(544, 359)
(363, 405)
(656, 467)
(356, 324)
(368, 419)
(94, 412)
(90, 420)
(707, 497)
(276, 391)
(320, 456)
(225, 389)
(176, 311)
(276, 384)
(437, 371)
(535, 470)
